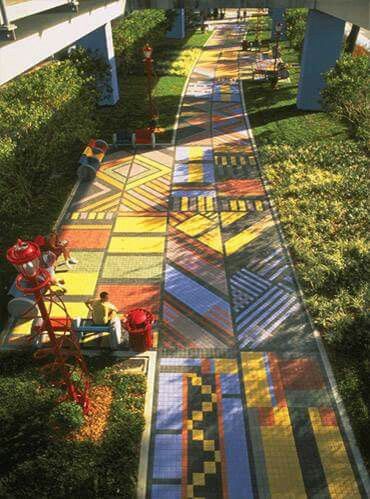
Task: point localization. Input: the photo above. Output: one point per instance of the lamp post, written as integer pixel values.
(35, 280)
(278, 31)
(148, 61)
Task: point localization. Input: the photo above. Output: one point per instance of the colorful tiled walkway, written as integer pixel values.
(243, 407)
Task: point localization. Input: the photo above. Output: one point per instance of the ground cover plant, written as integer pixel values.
(48, 450)
(317, 168)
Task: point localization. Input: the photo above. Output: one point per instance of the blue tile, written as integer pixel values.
(166, 361)
(169, 404)
(167, 456)
(237, 460)
(230, 384)
(166, 491)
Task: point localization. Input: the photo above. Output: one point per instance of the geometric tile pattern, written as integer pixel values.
(243, 408)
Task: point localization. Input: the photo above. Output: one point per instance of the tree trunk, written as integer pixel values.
(352, 38)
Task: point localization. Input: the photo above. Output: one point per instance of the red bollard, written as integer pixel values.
(138, 323)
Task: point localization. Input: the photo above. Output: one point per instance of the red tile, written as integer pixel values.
(129, 296)
(328, 417)
(301, 374)
(239, 188)
(86, 238)
(205, 366)
(266, 416)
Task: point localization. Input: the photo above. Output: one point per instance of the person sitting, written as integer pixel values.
(48, 261)
(59, 247)
(103, 312)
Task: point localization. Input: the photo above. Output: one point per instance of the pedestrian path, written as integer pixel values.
(243, 407)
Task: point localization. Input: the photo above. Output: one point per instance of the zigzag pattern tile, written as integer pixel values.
(148, 185)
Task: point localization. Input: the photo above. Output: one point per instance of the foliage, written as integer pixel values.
(67, 416)
(131, 33)
(295, 22)
(46, 116)
(35, 463)
(346, 94)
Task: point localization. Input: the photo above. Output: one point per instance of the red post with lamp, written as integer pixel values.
(148, 61)
(64, 348)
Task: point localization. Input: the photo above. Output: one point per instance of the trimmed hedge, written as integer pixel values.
(131, 33)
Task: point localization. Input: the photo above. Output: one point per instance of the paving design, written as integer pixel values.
(243, 407)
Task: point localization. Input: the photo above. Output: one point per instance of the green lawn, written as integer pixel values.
(318, 176)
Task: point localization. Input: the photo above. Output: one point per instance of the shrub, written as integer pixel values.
(295, 22)
(132, 32)
(346, 94)
(67, 416)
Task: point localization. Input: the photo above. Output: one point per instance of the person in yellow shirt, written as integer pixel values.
(103, 312)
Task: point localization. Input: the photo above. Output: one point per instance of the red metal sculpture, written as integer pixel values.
(63, 348)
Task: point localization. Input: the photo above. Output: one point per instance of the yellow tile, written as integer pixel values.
(282, 464)
(100, 216)
(228, 217)
(197, 415)
(22, 326)
(198, 479)
(338, 471)
(195, 172)
(208, 445)
(75, 215)
(244, 237)
(190, 491)
(196, 381)
(212, 239)
(198, 435)
(209, 467)
(184, 204)
(255, 380)
(226, 366)
(209, 203)
(140, 224)
(206, 389)
(195, 153)
(214, 397)
(189, 424)
(195, 225)
(91, 215)
(259, 205)
(80, 283)
(75, 309)
(207, 406)
(217, 456)
(132, 244)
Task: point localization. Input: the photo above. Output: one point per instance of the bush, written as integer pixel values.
(132, 32)
(67, 416)
(45, 117)
(295, 22)
(346, 94)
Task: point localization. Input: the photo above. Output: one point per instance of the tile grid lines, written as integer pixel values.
(343, 420)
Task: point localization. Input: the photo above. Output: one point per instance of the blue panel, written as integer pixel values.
(167, 456)
(196, 296)
(230, 384)
(178, 27)
(169, 406)
(166, 491)
(322, 46)
(173, 361)
(237, 460)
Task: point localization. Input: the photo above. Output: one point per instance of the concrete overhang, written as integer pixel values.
(354, 11)
(16, 9)
(42, 35)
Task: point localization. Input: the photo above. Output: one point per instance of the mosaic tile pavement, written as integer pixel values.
(243, 407)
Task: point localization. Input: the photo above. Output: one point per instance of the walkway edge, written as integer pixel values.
(184, 89)
(361, 469)
(145, 439)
